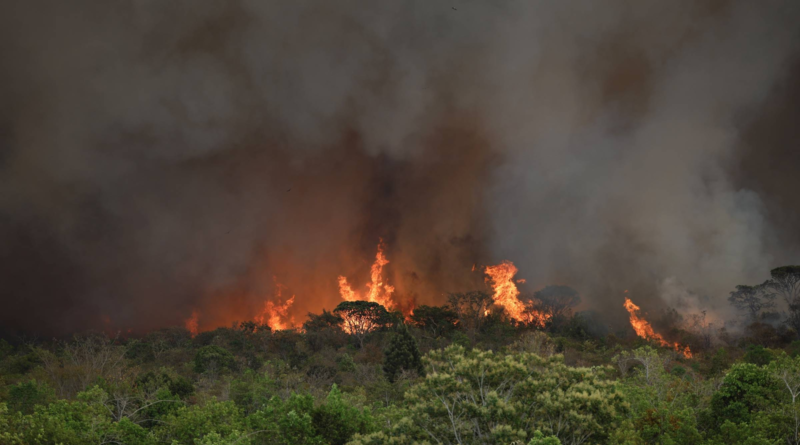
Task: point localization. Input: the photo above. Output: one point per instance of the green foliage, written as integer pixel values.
(478, 396)
(540, 439)
(23, 397)
(297, 421)
(745, 389)
(337, 422)
(79, 422)
(176, 384)
(189, 424)
(402, 354)
(345, 363)
(213, 358)
(758, 355)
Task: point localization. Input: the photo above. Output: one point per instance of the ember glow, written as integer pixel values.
(276, 315)
(378, 291)
(506, 294)
(644, 330)
(191, 323)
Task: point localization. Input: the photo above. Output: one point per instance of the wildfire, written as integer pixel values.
(644, 330)
(506, 294)
(276, 315)
(378, 291)
(191, 323)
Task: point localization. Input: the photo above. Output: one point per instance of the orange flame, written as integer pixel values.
(276, 315)
(191, 323)
(378, 291)
(345, 290)
(506, 294)
(644, 330)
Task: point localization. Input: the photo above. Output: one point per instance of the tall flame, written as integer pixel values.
(506, 294)
(644, 330)
(276, 315)
(378, 291)
(191, 323)
(345, 290)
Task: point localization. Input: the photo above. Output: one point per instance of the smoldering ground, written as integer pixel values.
(164, 156)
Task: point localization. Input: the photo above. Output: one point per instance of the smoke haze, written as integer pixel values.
(161, 157)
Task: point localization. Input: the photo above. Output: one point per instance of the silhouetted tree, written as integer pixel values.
(434, 320)
(752, 299)
(324, 331)
(557, 301)
(785, 281)
(362, 317)
(471, 308)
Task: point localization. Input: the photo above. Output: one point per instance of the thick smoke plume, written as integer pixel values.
(165, 157)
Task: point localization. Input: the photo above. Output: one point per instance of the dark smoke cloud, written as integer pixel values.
(159, 157)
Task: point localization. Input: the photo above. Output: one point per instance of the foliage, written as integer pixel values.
(472, 396)
(434, 320)
(213, 358)
(23, 397)
(758, 355)
(746, 388)
(402, 354)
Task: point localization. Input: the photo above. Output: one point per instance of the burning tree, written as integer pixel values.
(555, 303)
(506, 294)
(471, 308)
(362, 317)
(644, 330)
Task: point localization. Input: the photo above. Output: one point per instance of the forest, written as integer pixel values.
(460, 373)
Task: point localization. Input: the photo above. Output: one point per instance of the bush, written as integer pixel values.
(758, 355)
(214, 359)
(23, 397)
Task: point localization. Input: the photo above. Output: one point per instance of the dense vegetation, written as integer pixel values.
(447, 375)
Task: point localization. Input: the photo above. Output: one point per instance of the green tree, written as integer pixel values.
(23, 397)
(402, 354)
(337, 422)
(745, 389)
(540, 439)
(190, 424)
(213, 358)
(472, 397)
(758, 355)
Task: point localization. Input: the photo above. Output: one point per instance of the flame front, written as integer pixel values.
(276, 315)
(378, 291)
(506, 294)
(644, 330)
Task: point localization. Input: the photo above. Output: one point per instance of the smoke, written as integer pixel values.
(162, 157)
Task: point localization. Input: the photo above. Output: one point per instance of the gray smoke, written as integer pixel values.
(163, 156)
